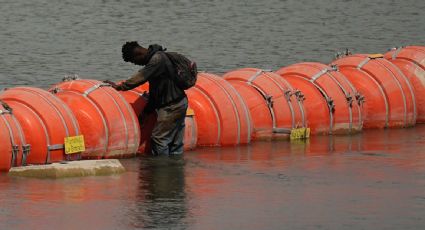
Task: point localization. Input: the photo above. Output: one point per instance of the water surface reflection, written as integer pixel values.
(371, 180)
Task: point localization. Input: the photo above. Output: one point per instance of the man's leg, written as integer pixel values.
(177, 145)
(167, 127)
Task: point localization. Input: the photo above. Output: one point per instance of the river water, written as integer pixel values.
(375, 180)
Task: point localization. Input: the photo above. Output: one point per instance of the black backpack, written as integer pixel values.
(185, 70)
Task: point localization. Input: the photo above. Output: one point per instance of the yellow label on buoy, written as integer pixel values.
(373, 56)
(190, 112)
(300, 133)
(74, 144)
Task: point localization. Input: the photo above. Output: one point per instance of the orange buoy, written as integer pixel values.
(222, 115)
(13, 147)
(271, 100)
(45, 122)
(330, 99)
(411, 61)
(390, 100)
(107, 121)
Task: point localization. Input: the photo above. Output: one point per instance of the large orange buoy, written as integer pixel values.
(390, 100)
(271, 100)
(330, 99)
(109, 124)
(13, 147)
(45, 122)
(138, 100)
(411, 61)
(222, 115)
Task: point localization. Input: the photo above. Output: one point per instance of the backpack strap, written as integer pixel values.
(169, 64)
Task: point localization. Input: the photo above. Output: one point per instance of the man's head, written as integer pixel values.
(134, 53)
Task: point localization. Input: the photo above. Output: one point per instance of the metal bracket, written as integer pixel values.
(364, 62)
(360, 99)
(342, 54)
(319, 74)
(396, 52)
(299, 95)
(26, 149)
(269, 100)
(71, 78)
(56, 147)
(349, 99)
(282, 130)
(56, 90)
(334, 67)
(95, 87)
(8, 109)
(288, 95)
(331, 104)
(15, 151)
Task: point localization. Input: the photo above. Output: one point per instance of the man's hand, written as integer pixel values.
(113, 85)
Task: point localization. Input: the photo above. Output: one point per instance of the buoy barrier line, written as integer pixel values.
(115, 97)
(90, 151)
(286, 93)
(218, 125)
(401, 81)
(128, 150)
(235, 110)
(332, 85)
(246, 112)
(137, 99)
(219, 83)
(326, 71)
(410, 60)
(17, 144)
(395, 71)
(30, 105)
(380, 89)
(107, 119)
(391, 85)
(265, 93)
(99, 86)
(344, 85)
(300, 100)
(257, 106)
(366, 60)
(135, 126)
(25, 148)
(359, 98)
(417, 49)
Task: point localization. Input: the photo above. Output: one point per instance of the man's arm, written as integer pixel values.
(137, 79)
(142, 76)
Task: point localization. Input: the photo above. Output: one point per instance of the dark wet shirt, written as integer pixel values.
(162, 89)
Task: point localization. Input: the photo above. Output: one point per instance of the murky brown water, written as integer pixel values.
(375, 180)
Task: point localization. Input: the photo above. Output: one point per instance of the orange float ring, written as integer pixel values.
(13, 150)
(108, 122)
(411, 61)
(390, 100)
(271, 100)
(45, 122)
(222, 115)
(330, 99)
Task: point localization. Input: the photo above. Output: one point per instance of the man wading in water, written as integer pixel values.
(164, 72)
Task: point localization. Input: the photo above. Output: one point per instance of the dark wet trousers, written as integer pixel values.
(167, 135)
